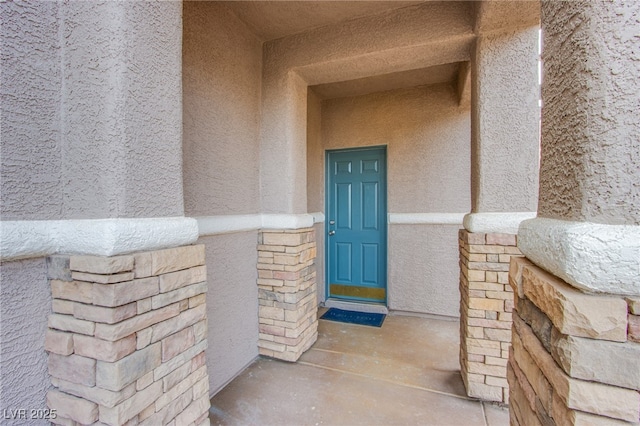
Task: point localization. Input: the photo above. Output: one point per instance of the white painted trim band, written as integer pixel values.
(213, 225)
(110, 237)
(102, 237)
(426, 218)
(590, 256)
(496, 223)
(318, 217)
(223, 224)
(286, 221)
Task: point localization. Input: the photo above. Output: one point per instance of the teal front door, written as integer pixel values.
(356, 224)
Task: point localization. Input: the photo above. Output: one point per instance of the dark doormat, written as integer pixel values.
(351, 317)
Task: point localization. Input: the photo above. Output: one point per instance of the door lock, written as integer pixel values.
(332, 232)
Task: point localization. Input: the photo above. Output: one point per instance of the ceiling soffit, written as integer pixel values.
(447, 73)
(271, 20)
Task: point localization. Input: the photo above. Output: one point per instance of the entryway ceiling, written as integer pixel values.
(273, 20)
(270, 20)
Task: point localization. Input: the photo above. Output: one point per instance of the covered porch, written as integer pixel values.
(166, 223)
(405, 372)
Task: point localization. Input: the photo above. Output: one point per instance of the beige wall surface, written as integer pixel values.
(505, 122)
(590, 166)
(232, 305)
(427, 136)
(221, 79)
(24, 314)
(221, 90)
(30, 164)
(92, 119)
(406, 39)
(423, 269)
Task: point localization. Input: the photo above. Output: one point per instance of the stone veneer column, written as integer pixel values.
(287, 292)
(575, 357)
(504, 180)
(485, 313)
(126, 338)
(576, 352)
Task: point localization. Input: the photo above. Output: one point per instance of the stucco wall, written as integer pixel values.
(427, 136)
(66, 155)
(315, 153)
(25, 304)
(221, 89)
(423, 269)
(505, 121)
(232, 305)
(30, 164)
(315, 174)
(429, 34)
(590, 166)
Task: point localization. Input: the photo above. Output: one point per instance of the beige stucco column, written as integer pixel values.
(588, 228)
(504, 116)
(92, 168)
(576, 336)
(283, 147)
(122, 109)
(504, 168)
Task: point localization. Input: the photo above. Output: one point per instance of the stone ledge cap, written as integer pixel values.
(589, 256)
(101, 237)
(495, 223)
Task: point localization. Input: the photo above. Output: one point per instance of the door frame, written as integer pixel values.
(385, 228)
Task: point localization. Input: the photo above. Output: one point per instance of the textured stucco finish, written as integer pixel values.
(497, 223)
(423, 269)
(92, 116)
(221, 82)
(500, 15)
(409, 38)
(427, 138)
(25, 304)
(381, 83)
(101, 237)
(315, 154)
(590, 160)
(589, 256)
(505, 121)
(31, 171)
(271, 20)
(232, 305)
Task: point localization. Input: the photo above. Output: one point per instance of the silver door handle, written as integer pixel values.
(332, 232)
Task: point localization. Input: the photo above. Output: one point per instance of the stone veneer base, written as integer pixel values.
(575, 357)
(287, 293)
(486, 303)
(126, 338)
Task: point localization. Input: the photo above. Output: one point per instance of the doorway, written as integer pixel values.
(356, 224)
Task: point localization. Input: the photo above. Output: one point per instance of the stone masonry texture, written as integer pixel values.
(287, 293)
(575, 358)
(486, 305)
(126, 339)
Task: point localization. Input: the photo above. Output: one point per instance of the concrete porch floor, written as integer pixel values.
(404, 373)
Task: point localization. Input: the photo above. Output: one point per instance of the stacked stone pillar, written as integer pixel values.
(287, 293)
(126, 338)
(485, 312)
(575, 357)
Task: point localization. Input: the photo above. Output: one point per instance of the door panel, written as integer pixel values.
(356, 224)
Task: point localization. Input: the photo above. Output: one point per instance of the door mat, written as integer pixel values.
(362, 318)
